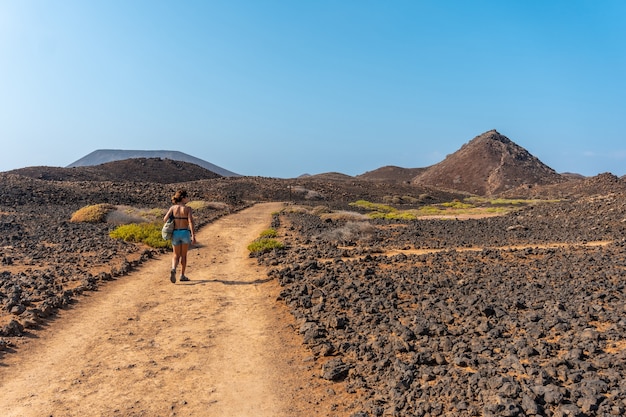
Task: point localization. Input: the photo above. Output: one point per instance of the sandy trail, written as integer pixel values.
(218, 345)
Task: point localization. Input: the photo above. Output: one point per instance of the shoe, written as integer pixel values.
(173, 276)
(183, 278)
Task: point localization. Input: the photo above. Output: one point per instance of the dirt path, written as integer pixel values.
(218, 345)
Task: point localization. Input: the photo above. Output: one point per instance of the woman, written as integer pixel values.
(183, 234)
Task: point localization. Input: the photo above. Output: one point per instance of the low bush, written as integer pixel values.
(264, 245)
(96, 213)
(147, 233)
(368, 205)
(405, 199)
(349, 233)
(395, 215)
(269, 233)
(456, 204)
(126, 215)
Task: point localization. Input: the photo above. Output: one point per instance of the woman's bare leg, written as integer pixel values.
(183, 257)
(176, 256)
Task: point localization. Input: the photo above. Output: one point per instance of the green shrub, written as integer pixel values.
(263, 245)
(429, 211)
(498, 210)
(269, 233)
(395, 215)
(147, 233)
(456, 204)
(402, 215)
(368, 205)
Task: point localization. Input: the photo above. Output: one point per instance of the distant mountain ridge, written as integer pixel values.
(102, 156)
(488, 165)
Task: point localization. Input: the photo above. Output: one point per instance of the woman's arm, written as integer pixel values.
(167, 215)
(191, 226)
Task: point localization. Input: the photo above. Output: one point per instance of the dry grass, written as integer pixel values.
(95, 213)
(350, 232)
(344, 215)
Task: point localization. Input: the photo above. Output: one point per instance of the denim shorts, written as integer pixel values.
(181, 236)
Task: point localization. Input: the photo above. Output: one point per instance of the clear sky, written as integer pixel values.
(280, 88)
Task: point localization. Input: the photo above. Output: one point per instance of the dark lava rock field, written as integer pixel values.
(518, 315)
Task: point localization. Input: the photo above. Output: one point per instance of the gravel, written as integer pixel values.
(519, 315)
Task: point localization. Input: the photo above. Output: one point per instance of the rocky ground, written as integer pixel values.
(521, 315)
(46, 260)
(507, 316)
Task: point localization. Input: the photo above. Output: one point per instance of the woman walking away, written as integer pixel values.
(183, 234)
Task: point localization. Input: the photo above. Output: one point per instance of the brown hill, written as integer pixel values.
(392, 174)
(164, 171)
(489, 164)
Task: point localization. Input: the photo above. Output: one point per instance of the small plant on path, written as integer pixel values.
(265, 243)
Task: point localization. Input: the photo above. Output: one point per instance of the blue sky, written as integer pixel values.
(279, 88)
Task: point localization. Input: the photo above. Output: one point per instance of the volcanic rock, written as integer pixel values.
(514, 326)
